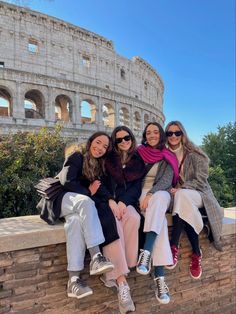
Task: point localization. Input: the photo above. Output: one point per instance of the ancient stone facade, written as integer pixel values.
(54, 72)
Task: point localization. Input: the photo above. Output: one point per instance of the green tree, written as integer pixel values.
(24, 159)
(221, 149)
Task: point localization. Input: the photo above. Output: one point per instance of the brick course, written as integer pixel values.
(34, 281)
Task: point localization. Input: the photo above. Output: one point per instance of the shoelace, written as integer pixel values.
(174, 252)
(145, 258)
(124, 293)
(195, 261)
(99, 259)
(102, 258)
(162, 287)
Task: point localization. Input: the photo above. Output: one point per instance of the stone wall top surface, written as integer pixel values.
(30, 231)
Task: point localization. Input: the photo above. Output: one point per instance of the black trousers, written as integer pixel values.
(178, 226)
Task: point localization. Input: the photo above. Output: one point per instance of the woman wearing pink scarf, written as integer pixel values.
(161, 175)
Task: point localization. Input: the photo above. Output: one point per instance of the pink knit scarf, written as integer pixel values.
(152, 155)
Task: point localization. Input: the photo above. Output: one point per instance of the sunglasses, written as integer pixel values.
(176, 133)
(120, 139)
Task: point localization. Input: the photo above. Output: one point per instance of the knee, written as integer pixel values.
(181, 194)
(134, 217)
(162, 197)
(85, 202)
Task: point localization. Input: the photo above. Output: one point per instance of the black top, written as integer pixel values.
(72, 180)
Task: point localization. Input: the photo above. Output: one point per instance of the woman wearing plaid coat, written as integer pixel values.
(192, 193)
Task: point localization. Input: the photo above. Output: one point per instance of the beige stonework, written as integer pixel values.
(59, 68)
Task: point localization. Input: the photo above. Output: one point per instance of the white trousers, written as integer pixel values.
(186, 204)
(155, 220)
(82, 228)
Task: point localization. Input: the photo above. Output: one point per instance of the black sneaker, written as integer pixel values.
(100, 264)
(144, 263)
(76, 288)
(162, 291)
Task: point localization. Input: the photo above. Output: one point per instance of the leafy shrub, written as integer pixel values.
(24, 159)
(221, 149)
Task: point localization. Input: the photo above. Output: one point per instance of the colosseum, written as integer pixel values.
(52, 72)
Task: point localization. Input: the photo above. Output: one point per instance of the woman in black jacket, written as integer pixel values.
(125, 170)
(80, 178)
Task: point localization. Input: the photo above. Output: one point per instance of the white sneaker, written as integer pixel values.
(126, 303)
(100, 264)
(76, 288)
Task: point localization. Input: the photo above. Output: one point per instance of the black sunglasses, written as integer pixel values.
(120, 139)
(176, 133)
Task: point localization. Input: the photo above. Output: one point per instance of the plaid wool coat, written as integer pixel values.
(195, 170)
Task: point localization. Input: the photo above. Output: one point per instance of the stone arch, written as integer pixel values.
(63, 108)
(5, 102)
(137, 121)
(108, 115)
(88, 111)
(146, 119)
(34, 104)
(124, 116)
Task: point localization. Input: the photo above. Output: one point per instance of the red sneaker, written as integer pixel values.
(175, 253)
(195, 266)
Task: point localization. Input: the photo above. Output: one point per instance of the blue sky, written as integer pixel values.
(190, 43)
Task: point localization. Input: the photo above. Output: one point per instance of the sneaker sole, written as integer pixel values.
(162, 301)
(101, 270)
(199, 276)
(142, 273)
(72, 295)
(170, 266)
(123, 311)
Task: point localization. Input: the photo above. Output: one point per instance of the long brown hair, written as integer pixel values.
(93, 168)
(124, 157)
(188, 145)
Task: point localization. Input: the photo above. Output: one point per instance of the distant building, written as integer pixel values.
(54, 72)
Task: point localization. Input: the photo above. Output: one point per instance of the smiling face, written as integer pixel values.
(174, 136)
(123, 140)
(152, 135)
(99, 146)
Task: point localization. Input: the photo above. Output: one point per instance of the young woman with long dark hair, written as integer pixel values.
(125, 170)
(162, 173)
(80, 179)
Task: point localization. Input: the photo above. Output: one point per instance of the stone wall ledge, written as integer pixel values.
(26, 232)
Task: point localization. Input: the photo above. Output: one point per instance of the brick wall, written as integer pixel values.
(34, 281)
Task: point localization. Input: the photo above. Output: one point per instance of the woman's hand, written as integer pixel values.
(115, 209)
(122, 208)
(94, 186)
(173, 191)
(144, 202)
